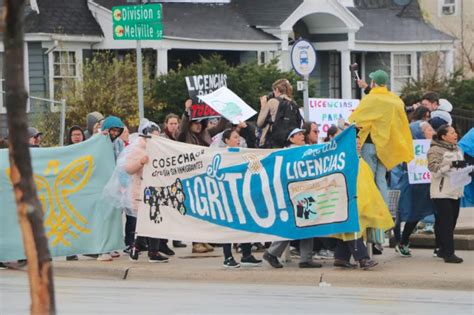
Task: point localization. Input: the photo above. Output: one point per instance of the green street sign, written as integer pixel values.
(137, 13)
(146, 31)
(137, 22)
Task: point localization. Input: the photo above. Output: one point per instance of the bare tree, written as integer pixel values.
(29, 209)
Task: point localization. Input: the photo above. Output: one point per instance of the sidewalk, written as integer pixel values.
(422, 271)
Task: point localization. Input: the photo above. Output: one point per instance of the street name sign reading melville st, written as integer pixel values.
(138, 22)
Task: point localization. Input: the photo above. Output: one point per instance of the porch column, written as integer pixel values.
(161, 61)
(449, 61)
(284, 62)
(346, 79)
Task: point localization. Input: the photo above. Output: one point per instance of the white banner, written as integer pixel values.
(229, 105)
(234, 195)
(418, 172)
(326, 112)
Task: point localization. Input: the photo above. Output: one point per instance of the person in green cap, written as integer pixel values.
(384, 130)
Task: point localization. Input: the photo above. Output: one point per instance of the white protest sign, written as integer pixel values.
(229, 105)
(326, 112)
(418, 172)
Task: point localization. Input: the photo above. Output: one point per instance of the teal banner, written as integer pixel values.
(69, 182)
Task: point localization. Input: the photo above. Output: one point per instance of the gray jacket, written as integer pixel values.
(440, 157)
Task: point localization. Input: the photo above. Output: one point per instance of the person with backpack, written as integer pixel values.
(279, 115)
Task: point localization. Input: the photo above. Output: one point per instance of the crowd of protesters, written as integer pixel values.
(384, 145)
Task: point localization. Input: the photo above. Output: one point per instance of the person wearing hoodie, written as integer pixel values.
(441, 116)
(113, 126)
(444, 156)
(93, 120)
(133, 160)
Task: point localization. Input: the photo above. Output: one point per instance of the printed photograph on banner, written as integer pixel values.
(229, 105)
(418, 172)
(319, 201)
(203, 84)
(327, 111)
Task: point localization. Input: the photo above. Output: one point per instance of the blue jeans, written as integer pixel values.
(369, 155)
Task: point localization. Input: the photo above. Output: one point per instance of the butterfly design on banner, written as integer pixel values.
(63, 222)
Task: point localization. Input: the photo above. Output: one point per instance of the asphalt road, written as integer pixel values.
(106, 296)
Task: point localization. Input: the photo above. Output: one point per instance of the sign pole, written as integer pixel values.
(306, 98)
(141, 113)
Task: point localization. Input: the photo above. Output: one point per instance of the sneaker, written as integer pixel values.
(250, 261)
(91, 255)
(198, 248)
(309, 264)
(272, 260)
(115, 254)
(453, 259)
(179, 244)
(104, 257)
(166, 250)
(294, 253)
(437, 253)
(208, 247)
(72, 258)
(403, 250)
(134, 253)
(428, 229)
(231, 263)
(128, 249)
(325, 254)
(377, 249)
(344, 264)
(156, 257)
(258, 247)
(3, 266)
(366, 264)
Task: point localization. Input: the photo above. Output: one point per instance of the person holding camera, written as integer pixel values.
(445, 156)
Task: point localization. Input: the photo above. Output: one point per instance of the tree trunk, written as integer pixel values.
(30, 214)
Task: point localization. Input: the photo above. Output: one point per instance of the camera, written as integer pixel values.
(459, 164)
(270, 95)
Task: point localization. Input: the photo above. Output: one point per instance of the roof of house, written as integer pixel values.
(70, 17)
(209, 21)
(266, 13)
(237, 20)
(385, 21)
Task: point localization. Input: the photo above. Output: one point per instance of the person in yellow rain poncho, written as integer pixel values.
(373, 213)
(384, 130)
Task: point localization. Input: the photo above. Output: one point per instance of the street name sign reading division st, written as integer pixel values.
(138, 22)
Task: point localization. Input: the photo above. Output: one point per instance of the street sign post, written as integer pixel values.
(138, 22)
(303, 60)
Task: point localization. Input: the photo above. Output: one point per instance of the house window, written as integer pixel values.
(403, 70)
(447, 7)
(334, 75)
(64, 71)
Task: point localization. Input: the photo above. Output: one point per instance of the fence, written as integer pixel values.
(49, 117)
(46, 115)
(463, 120)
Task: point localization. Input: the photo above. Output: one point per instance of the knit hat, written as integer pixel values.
(112, 122)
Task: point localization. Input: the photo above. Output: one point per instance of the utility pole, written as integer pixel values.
(30, 213)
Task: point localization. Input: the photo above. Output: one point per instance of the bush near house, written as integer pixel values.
(249, 81)
(108, 85)
(453, 88)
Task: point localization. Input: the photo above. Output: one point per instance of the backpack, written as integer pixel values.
(288, 117)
